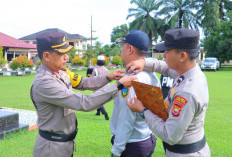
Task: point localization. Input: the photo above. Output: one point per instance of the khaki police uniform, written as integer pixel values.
(187, 102)
(55, 102)
(101, 70)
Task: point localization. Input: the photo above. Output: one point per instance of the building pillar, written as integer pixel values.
(75, 45)
(5, 55)
(28, 55)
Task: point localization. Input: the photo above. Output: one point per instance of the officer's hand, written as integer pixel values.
(136, 65)
(115, 75)
(126, 80)
(75, 78)
(135, 104)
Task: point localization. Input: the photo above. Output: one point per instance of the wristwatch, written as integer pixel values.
(120, 85)
(142, 113)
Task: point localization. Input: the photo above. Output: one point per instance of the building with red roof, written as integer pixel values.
(13, 47)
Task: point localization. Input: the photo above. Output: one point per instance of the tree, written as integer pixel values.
(72, 54)
(88, 55)
(143, 19)
(112, 50)
(117, 60)
(179, 13)
(119, 32)
(161, 26)
(224, 7)
(212, 13)
(219, 42)
(207, 15)
(2, 60)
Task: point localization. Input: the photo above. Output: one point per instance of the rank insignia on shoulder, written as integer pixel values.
(179, 103)
(173, 91)
(124, 93)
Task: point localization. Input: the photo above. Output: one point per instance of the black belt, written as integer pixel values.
(58, 137)
(185, 148)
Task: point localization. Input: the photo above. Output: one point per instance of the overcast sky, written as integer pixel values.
(19, 18)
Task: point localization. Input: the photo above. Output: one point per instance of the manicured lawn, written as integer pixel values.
(93, 138)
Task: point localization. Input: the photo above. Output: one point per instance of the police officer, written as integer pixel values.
(183, 132)
(100, 69)
(55, 101)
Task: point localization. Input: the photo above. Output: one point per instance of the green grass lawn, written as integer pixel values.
(93, 138)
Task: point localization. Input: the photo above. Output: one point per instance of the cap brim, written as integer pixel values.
(64, 49)
(162, 47)
(119, 40)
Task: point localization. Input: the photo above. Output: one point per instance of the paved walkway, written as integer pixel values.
(25, 116)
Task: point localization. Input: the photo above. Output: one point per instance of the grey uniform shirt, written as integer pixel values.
(187, 102)
(55, 103)
(128, 126)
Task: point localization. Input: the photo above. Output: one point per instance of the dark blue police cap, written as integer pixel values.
(179, 39)
(137, 39)
(52, 41)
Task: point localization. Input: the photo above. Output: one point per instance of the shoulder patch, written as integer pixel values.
(179, 103)
(124, 93)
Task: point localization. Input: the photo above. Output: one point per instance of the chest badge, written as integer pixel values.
(124, 93)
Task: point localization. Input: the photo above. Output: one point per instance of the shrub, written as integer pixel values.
(38, 63)
(107, 59)
(78, 61)
(94, 61)
(117, 60)
(21, 62)
(2, 61)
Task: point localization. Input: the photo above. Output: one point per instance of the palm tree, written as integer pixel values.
(212, 12)
(207, 15)
(143, 19)
(179, 13)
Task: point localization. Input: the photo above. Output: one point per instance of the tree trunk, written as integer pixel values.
(181, 12)
(150, 39)
(221, 12)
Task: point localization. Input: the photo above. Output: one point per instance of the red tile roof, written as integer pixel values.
(7, 41)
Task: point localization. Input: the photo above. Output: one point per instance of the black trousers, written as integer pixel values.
(102, 110)
(139, 149)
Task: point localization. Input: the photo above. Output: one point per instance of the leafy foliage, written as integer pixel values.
(119, 32)
(78, 61)
(219, 42)
(21, 62)
(38, 63)
(179, 13)
(207, 15)
(2, 60)
(143, 16)
(117, 60)
(72, 54)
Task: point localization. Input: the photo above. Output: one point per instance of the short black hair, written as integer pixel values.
(140, 52)
(40, 54)
(193, 53)
(100, 62)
